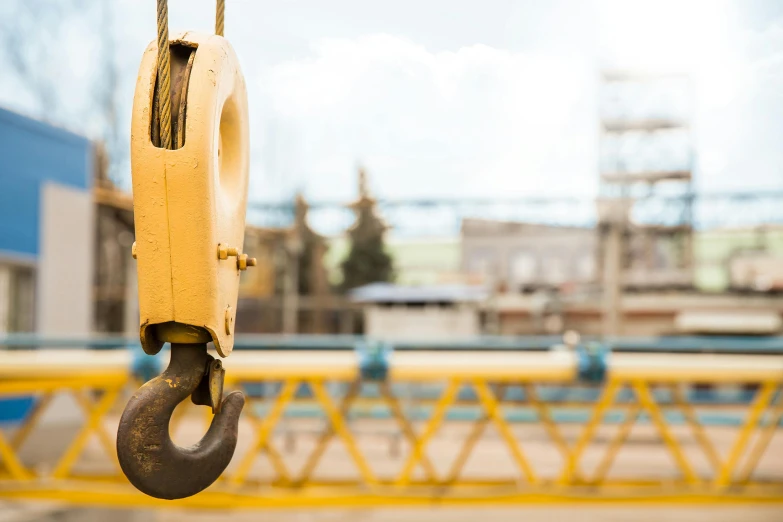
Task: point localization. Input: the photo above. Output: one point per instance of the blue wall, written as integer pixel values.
(32, 153)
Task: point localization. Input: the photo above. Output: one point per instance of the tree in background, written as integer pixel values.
(367, 260)
(40, 43)
(308, 248)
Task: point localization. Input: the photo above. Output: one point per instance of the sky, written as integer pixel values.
(454, 99)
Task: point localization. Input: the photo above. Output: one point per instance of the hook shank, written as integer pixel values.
(148, 456)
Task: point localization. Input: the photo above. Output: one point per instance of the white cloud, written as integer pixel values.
(476, 121)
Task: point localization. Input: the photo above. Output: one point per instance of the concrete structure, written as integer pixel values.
(649, 314)
(720, 255)
(46, 228)
(65, 269)
(523, 256)
(420, 313)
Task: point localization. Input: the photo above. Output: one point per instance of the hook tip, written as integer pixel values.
(232, 405)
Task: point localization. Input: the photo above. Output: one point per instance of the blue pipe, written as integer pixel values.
(665, 344)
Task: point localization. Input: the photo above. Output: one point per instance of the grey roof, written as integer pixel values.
(391, 293)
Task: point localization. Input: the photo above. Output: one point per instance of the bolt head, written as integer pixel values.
(225, 251)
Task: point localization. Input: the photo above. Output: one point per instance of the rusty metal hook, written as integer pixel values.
(148, 456)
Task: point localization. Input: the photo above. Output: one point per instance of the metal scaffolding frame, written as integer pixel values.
(646, 152)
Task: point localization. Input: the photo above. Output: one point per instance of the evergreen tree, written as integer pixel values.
(367, 260)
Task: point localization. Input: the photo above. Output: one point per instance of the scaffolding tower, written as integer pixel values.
(645, 153)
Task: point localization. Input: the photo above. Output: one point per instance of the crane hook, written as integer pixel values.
(148, 456)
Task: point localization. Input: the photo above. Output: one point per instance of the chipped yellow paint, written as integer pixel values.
(189, 200)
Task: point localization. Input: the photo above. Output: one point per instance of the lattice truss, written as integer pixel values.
(317, 441)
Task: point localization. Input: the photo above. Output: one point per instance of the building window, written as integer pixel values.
(586, 267)
(523, 268)
(16, 298)
(555, 270)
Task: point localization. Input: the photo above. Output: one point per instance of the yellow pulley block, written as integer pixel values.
(189, 203)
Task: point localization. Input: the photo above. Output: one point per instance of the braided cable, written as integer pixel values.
(164, 75)
(220, 17)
